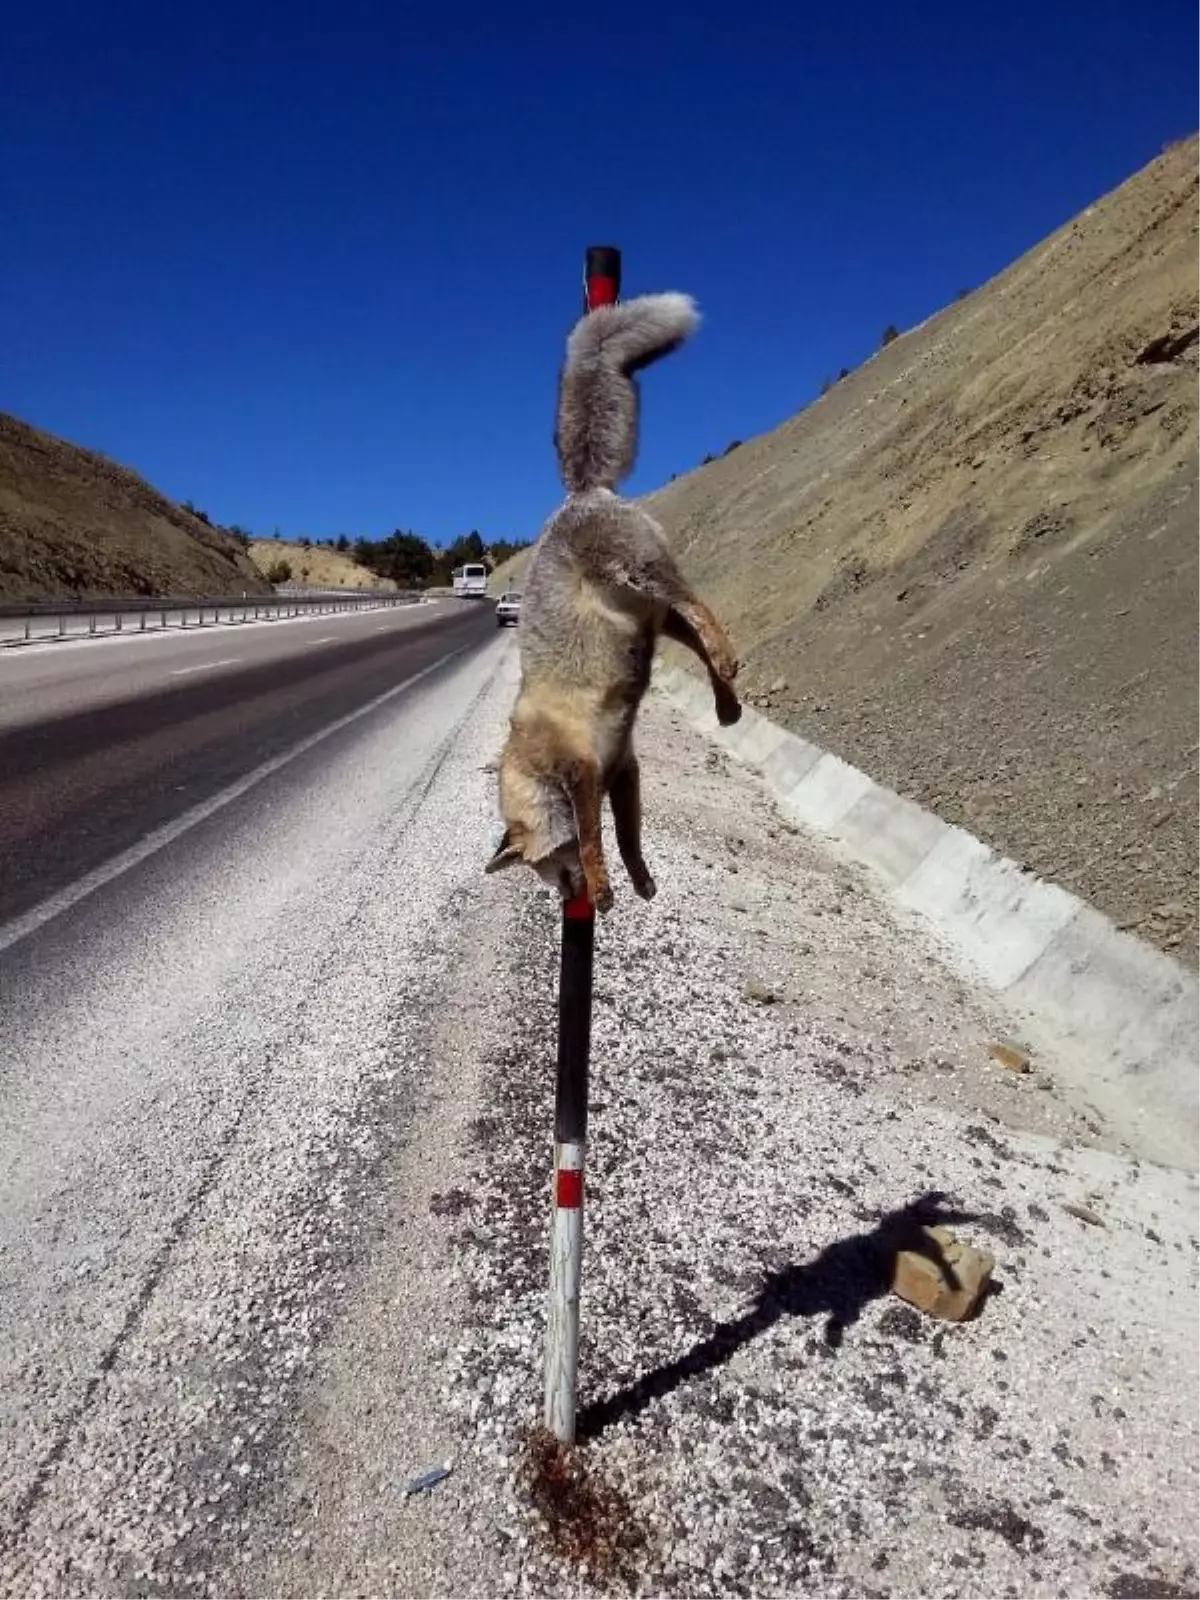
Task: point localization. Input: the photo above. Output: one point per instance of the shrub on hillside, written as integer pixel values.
(201, 516)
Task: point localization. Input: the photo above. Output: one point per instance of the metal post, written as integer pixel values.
(570, 1147)
(602, 284)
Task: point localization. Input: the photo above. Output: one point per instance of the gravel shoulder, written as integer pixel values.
(762, 1416)
(340, 1146)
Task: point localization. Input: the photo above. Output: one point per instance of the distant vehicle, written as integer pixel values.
(470, 582)
(508, 608)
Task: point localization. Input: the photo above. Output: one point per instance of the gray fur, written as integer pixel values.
(596, 431)
(601, 587)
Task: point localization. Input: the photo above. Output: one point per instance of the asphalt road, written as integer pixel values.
(103, 745)
(221, 894)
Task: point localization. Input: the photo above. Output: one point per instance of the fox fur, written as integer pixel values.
(601, 588)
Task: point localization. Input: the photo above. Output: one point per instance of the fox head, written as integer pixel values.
(539, 829)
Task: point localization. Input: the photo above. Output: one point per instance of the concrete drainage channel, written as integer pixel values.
(56, 622)
(1118, 1017)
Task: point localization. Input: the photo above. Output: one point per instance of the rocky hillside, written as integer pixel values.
(73, 523)
(971, 567)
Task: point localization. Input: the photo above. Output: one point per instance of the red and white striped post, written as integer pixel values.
(602, 285)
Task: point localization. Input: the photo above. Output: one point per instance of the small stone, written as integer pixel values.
(1084, 1213)
(949, 1282)
(1010, 1055)
(1169, 909)
(779, 686)
(760, 993)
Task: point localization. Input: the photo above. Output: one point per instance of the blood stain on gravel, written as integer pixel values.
(587, 1521)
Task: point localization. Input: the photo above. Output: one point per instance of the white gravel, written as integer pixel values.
(764, 1417)
(273, 1230)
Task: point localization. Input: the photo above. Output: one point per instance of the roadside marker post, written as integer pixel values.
(602, 286)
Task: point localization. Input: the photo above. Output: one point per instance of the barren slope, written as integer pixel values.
(319, 567)
(970, 568)
(73, 523)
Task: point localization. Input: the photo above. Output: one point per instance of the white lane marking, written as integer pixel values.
(324, 639)
(21, 927)
(206, 666)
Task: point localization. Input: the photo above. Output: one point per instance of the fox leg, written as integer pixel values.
(585, 789)
(625, 548)
(625, 797)
(677, 627)
(715, 649)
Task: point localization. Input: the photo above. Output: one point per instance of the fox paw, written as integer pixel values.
(729, 708)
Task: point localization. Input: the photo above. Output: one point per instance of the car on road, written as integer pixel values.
(508, 608)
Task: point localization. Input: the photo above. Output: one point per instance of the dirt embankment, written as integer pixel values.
(73, 523)
(317, 566)
(971, 567)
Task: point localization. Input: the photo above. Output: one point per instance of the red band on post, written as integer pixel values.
(601, 292)
(578, 909)
(568, 1189)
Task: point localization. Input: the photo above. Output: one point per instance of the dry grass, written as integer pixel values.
(319, 567)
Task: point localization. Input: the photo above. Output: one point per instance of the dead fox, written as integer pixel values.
(601, 587)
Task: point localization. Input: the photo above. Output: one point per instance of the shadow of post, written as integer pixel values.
(838, 1284)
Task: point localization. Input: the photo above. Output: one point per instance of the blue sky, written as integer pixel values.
(311, 265)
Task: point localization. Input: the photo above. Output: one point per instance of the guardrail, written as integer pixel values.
(46, 621)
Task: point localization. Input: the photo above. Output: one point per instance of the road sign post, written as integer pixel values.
(602, 286)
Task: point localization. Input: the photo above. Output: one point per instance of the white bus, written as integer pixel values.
(470, 582)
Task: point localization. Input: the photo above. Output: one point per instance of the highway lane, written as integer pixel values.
(213, 1075)
(48, 680)
(102, 744)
